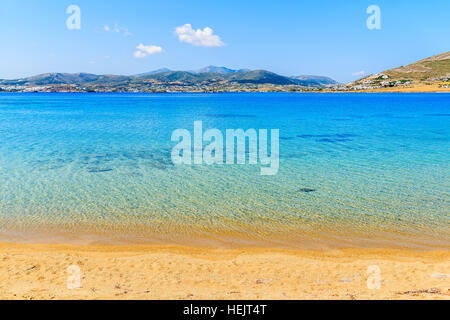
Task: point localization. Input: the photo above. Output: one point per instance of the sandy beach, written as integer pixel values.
(33, 271)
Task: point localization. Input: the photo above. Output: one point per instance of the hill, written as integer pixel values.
(427, 74)
(153, 72)
(64, 78)
(172, 76)
(429, 69)
(261, 77)
(214, 69)
(53, 78)
(249, 77)
(316, 80)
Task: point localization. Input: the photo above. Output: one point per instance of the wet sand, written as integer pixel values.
(34, 271)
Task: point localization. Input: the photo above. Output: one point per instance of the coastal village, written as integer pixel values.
(383, 82)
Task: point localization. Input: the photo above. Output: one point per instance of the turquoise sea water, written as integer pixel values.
(364, 170)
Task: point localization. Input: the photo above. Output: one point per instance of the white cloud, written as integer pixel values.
(117, 29)
(202, 38)
(359, 73)
(144, 51)
(127, 33)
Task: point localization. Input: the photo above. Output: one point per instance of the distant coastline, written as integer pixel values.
(264, 89)
(428, 75)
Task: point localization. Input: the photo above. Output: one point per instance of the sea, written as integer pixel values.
(355, 170)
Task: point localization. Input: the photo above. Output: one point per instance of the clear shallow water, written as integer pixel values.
(89, 168)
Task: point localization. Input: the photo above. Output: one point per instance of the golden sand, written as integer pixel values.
(158, 272)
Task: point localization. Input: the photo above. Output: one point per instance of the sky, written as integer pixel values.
(289, 37)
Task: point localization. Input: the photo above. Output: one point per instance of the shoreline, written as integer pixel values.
(424, 89)
(297, 240)
(39, 271)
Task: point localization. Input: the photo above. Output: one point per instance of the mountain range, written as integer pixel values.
(210, 74)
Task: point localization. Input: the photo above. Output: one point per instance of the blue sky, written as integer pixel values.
(290, 37)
